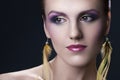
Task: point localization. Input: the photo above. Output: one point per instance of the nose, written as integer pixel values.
(75, 32)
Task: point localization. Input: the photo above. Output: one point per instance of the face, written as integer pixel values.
(76, 29)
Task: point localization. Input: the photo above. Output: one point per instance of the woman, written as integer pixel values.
(77, 29)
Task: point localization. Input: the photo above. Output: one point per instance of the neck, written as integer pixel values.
(63, 71)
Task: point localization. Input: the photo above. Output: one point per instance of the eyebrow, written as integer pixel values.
(81, 13)
(57, 12)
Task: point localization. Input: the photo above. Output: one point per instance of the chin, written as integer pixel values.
(79, 61)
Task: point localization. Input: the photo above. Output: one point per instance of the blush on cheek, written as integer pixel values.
(95, 33)
(99, 31)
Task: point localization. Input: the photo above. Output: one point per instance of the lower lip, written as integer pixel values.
(78, 49)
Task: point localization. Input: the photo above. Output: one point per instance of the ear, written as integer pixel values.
(45, 28)
(108, 23)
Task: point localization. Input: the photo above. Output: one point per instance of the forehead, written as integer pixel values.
(71, 5)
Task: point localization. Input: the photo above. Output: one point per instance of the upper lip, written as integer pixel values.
(76, 46)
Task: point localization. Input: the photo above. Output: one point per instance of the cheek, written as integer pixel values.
(94, 37)
(57, 35)
(95, 33)
(58, 40)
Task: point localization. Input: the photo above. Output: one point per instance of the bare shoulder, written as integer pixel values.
(28, 74)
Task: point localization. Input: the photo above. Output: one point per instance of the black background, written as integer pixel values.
(22, 36)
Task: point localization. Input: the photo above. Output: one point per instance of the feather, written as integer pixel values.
(104, 66)
(46, 67)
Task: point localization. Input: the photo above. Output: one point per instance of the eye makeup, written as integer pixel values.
(56, 17)
(84, 16)
(89, 16)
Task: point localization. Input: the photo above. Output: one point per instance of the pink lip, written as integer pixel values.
(76, 48)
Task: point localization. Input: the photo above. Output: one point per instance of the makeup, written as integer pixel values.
(76, 47)
(56, 17)
(89, 16)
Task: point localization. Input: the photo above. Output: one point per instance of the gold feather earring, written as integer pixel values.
(106, 58)
(46, 66)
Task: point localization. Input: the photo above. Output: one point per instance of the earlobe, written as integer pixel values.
(108, 23)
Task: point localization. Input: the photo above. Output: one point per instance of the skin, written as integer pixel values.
(71, 30)
(76, 22)
(85, 33)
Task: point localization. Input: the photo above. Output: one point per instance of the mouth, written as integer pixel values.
(76, 47)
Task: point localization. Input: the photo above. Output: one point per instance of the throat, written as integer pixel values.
(66, 72)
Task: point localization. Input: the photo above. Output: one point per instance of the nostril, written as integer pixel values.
(78, 37)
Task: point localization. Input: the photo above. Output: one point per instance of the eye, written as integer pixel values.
(58, 19)
(88, 17)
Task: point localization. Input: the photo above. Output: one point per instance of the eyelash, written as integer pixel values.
(58, 19)
(85, 18)
(88, 18)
